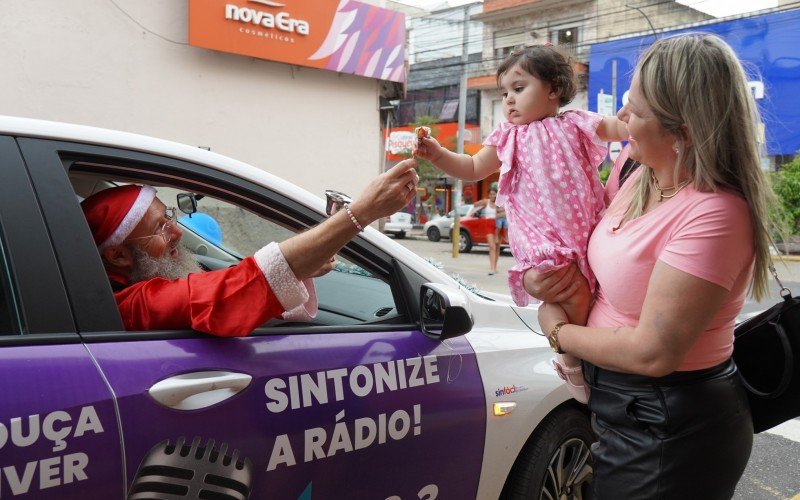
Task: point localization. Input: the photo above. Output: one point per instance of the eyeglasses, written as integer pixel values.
(165, 230)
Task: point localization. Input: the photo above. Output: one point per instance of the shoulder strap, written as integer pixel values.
(627, 168)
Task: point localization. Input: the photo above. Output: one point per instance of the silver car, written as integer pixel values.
(439, 227)
(398, 225)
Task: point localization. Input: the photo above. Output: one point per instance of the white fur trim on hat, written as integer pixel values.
(135, 214)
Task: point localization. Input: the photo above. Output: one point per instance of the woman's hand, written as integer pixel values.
(554, 286)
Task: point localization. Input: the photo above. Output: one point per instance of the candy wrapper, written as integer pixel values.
(422, 132)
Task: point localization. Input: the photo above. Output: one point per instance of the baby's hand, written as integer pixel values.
(425, 146)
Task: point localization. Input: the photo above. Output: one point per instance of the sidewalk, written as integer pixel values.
(473, 267)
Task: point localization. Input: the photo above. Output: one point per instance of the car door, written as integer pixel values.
(358, 404)
(58, 428)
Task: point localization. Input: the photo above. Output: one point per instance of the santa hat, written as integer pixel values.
(113, 213)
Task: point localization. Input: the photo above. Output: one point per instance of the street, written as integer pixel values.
(772, 472)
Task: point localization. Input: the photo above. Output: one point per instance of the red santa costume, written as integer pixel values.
(229, 302)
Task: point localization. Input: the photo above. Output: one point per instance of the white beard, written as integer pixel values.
(147, 267)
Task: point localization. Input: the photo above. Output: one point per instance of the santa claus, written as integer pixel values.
(158, 285)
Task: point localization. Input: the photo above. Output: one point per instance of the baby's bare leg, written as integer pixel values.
(577, 309)
(577, 305)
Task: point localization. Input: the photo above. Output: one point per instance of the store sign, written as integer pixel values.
(338, 35)
(767, 44)
(400, 142)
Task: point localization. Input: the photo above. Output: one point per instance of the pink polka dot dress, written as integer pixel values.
(551, 190)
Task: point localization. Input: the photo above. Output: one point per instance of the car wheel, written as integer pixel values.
(556, 461)
(434, 234)
(464, 241)
(400, 235)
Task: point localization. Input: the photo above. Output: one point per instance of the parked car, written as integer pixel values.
(398, 225)
(439, 227)
(405, 385)
(473, 230)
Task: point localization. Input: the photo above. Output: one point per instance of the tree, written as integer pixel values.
(429, 173)
(786, 184)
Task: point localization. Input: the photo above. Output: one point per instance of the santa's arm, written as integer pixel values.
(298, 298)
(307, 252)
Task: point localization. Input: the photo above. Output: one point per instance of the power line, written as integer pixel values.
(145, 27)
(586, 42)
(578, 20)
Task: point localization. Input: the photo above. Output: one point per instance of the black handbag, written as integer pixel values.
(766, 350)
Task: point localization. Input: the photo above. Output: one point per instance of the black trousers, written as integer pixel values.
(684, 436)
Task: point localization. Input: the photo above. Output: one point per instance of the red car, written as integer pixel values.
(474, 228)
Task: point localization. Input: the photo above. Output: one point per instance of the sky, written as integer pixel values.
(431, 4)
(716, 8)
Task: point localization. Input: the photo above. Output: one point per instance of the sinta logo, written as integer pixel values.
(282, 20)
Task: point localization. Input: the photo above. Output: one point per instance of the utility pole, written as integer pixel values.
(614, 86)
(462, 119)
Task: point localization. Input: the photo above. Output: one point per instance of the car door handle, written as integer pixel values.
(192, 391)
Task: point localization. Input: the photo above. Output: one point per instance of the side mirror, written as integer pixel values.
(187, 202)
(335, 200)
(443, 312)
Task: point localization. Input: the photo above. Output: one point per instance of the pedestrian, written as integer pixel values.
(549, 180)
(494, 239)
(683, 240)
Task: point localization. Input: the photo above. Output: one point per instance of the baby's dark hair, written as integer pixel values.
(547, 64)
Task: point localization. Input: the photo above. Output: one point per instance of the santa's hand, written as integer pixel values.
(324, 269)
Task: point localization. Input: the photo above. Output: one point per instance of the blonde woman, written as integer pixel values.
(675, 254)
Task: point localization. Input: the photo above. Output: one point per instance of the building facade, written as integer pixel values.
(766, 43)
(573, 25)
(128, 65)
(435, 48)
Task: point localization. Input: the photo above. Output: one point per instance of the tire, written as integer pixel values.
(465, 241)
(556, 461)
(400, 235)
(434, 234)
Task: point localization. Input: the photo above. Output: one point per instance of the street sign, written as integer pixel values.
(614, 149)
(605, 104)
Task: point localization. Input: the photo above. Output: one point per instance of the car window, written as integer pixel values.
(221, 224)
(367, 298)
(9, 314)
(221, 233)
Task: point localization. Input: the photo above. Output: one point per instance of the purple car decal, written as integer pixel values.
(58, 434)
(346, 415)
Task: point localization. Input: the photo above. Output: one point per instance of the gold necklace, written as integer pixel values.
(660, 190)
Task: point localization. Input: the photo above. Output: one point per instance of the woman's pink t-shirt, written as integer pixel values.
(708, 235)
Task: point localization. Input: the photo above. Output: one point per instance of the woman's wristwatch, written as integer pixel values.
(552, 337)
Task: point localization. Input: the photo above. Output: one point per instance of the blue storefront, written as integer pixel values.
(768, 44)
